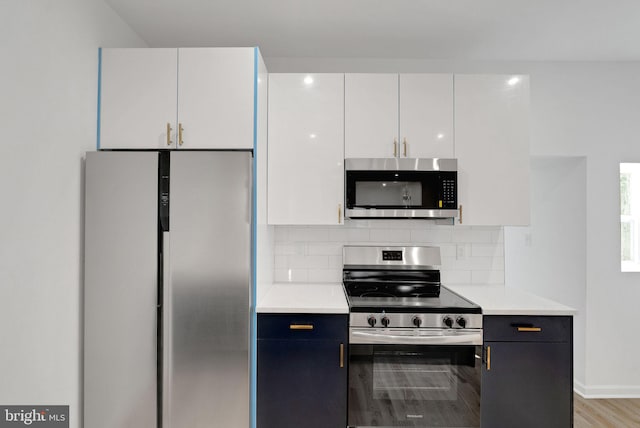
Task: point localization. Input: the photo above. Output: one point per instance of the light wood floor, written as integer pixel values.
(608, 413)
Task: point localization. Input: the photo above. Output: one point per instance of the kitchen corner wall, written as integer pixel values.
(470, 255)
(48, 104)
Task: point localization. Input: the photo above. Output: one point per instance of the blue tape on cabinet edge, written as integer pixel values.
(254, 323)
(99, 98)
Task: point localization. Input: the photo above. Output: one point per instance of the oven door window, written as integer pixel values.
(422, 386)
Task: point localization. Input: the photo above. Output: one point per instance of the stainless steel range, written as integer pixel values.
(415, 351)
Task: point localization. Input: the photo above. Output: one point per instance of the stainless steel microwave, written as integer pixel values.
(401, 188)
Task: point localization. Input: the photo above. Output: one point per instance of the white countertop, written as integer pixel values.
(330, 299)
(304, 298)
(501, 300)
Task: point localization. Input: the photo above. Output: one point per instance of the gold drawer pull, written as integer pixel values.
(529, 329)
(488, 358)
(301, 327)
(342, 355)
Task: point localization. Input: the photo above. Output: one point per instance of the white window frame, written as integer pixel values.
(633, 219)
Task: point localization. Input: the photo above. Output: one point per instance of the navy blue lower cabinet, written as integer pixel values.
(302, 371)
(527, 378)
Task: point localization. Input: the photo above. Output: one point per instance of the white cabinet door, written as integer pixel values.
(492, 147)
(426, 115)
(138, 98)
(306, 149)
(216, 97)
(371, 115)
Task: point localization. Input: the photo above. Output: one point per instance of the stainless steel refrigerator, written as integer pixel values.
(167, 289)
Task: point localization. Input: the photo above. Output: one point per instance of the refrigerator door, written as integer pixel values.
(206, 313)
(120, 290)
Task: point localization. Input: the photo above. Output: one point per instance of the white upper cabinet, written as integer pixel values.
(203, 96)
(371, 115)
(215, 97)
(492, 147)
(138, 98)
(426, 116)
(391, 115)
(306, 149)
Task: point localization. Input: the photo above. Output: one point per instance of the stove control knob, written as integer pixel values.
(461, 322)
(448, 321)
(417, 321)
(385, 321)
(371, 320)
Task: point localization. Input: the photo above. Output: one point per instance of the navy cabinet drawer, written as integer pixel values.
(508, 328)
(303, 326)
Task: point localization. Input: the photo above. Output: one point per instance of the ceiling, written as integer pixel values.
(543, 30)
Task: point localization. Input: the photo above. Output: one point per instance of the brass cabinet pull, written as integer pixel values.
(460, 212)
(169, 129)
(339, 213)
(395, 147)
(180, 129)
(341, 355)
(405, 147)
(530, 329)
(488, 358)
(301, 327)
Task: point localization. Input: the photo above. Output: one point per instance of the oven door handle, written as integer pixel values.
(455, 337)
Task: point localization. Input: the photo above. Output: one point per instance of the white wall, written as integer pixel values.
(49, 54)
(578, 109)
(470, 255)
(549, 257)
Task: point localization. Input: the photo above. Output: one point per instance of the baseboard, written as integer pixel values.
(606, 391)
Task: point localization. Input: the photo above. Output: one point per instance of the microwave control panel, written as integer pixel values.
(449, 191)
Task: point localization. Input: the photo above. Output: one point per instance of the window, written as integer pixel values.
(630, 217)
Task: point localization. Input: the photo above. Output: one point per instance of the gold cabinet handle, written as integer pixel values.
(395, 147)
(405, 147)
(488, 358)
(169, 129)
(530, 329)
(339, 213)
(342, 355)
(460, 212)
(180, 129)
(301, 327)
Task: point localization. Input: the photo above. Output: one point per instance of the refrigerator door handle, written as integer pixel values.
(167, 336)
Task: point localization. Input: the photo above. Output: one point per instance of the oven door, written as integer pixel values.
(415, 378)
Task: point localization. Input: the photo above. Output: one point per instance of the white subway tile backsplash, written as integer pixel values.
(314, 253)
(338, 234)
(335, 262)
(306, 234)
(280, 262)
(447, 250)
(291, 275)
(487, 250)
(472, 236)
(355, 235)
(455, 276)
(309, 262)
(324, 249)
(434, 235)
(487, 277)
(289, 248)
(281, 234)
(325, 275)
(398, 236)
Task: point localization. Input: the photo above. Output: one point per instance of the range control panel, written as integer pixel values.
(392, 255)
(408, 320)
